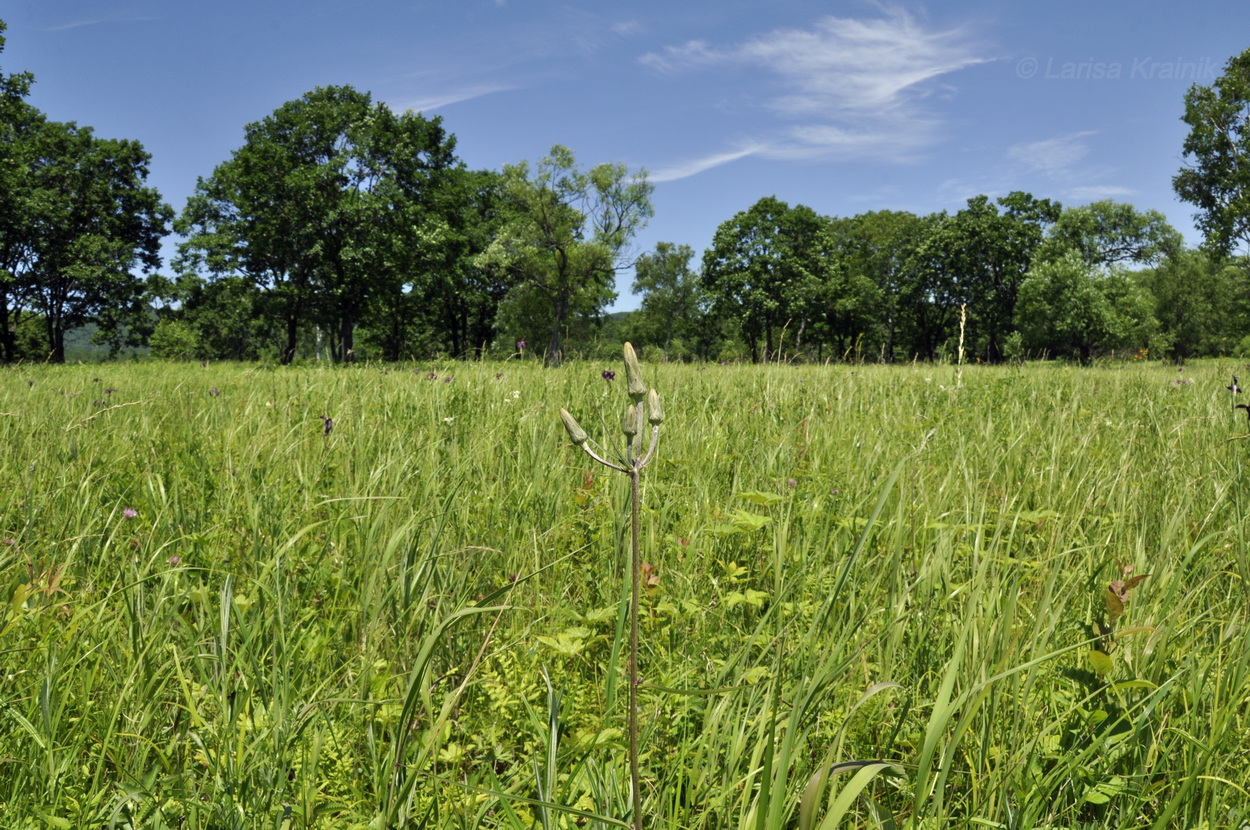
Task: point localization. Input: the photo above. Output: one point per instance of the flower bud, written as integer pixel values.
(636, 388)
(576, 433)
(655, 414)
(629, 424)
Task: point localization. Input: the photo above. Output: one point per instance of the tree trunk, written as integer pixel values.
(347, 338)
(554, 356)
(8, 336)
(292, 333)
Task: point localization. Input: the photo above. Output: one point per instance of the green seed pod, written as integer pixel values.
(655, 413)
(576, 433)
(629, 424)
(635, 386)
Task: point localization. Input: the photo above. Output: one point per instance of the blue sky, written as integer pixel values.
(843, 106)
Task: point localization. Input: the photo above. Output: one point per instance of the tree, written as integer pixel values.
(1107, 232)
(876, 246)
(763, 271)
(89, 221)
(453, 308)
(567, 234)
(1067, 308)
(1216, 178)
(672, 295)
(1200, 302)
(326, 207)
(977, 258)
(17, 119)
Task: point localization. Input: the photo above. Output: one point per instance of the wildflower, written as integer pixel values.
(608, 375)
(448, 419)
(1234, 388)
(432, 376)
(637, 389)
(520, 345)
(792, 483)
(447, 379)
(214, 391)
(10, 541)
(327, 423)
(174, 560)
(130, 512)
(109, 391)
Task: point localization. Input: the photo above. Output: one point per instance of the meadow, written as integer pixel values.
(221, 611)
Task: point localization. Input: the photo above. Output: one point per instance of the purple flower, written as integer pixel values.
(328, 424)
(109, 391)
(447, 379)
(174, 560)
(214, 391)
(791, 483)
(432, 376)
(130, 512)
(609, 375)
(520, 345)
(10, 542)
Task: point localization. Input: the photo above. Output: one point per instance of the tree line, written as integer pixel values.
(341, 230)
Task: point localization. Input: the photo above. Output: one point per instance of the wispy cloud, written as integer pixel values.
(95, 21)
(855, 85)
(1064, 160)
(453, 96)
(695, 166)
(1053, 156)
(1095, 193)
(626, 27)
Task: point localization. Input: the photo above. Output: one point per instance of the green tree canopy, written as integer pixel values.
(329, 206)
(567, 233)
(1108, 232)
(1067, 308)
(764, 270)
(672, 294)
(1200, 302)
(84, 221)
(977, 258)
(1216, 178)
(877, 246)
(17, 119)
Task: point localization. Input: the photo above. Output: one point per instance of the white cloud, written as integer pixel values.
(453, 96)
(855, 86)
(1053, 156)
(1094, 193)
(694, 166)
(95, 21)
(626, 27)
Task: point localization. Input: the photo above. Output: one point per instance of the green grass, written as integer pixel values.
(418, 619)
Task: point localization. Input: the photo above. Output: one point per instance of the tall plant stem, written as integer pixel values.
(635, 576)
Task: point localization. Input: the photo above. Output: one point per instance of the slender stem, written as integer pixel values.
(635, 568)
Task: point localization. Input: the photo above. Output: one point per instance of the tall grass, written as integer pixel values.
(418, 618)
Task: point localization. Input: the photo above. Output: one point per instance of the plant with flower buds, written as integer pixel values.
(644, 408)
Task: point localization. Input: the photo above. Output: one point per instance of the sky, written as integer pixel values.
(846, 107)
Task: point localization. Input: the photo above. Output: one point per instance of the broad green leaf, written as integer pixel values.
(759, 497)
(1100, 663)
